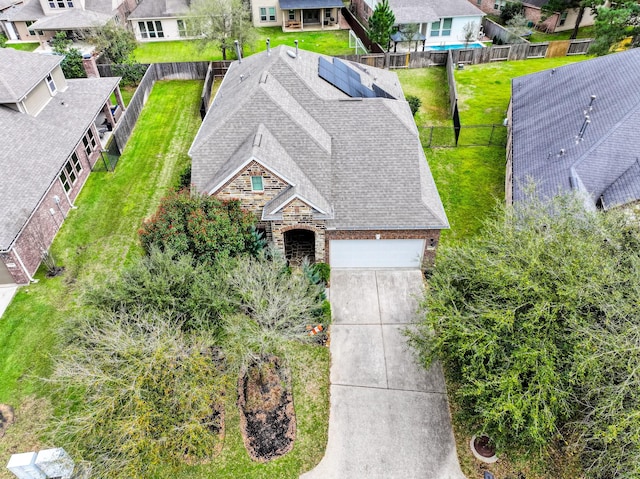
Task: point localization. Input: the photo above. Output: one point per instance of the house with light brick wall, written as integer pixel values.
(327, 155)
(53, 131)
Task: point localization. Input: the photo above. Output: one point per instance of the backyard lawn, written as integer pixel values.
(95, 242)
(584, 32)
(334, 42)
(470, 180)
(25, 47)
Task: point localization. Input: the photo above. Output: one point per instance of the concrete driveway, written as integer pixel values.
(389, 417)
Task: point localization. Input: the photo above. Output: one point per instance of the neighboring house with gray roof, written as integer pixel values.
(51, 138)
(440, 22)
(327, 155)
(575, 128)
(297, 15)
(155, 20)
(546, 22)
(40, 20)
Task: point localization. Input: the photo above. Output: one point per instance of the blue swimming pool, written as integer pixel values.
(454, 46)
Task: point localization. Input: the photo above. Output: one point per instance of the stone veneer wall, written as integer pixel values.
(299, 215)
(431, 237)
(239, 187)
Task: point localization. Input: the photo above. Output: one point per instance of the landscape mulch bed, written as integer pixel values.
(267, 416)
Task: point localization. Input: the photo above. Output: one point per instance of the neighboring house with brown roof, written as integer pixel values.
(327, 155)
(440, 22)
(51, 138)
(40, 20)
(575, 128)
(555, 22)
(154, 20)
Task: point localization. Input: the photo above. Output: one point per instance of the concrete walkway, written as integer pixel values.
(6, 295)
(389, 417)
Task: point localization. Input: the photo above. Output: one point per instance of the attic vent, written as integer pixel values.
(263, 77)
(257, 139)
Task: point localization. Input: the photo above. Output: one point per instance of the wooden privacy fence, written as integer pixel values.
(520, 51)
(207, 71)
(493, 30)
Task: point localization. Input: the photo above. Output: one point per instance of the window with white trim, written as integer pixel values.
(263, 14)
(70, 172)
(50, 83)
(563, 18)
(499, 4)
(256, 183)
(272, 14)
(292, 14)
(60, 3)
(441, 28)
(267, 14)
(151, 29)
(89, 142)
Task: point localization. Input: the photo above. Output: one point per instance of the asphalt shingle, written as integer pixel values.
(360, 159)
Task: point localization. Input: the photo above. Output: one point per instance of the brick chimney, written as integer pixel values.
(90, 66)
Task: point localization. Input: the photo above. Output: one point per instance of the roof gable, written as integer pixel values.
(358, 162)
(21, 71)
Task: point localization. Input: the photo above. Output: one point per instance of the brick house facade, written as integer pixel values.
(44, 172)
(328, 179)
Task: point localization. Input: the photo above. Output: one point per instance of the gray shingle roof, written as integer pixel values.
(34, 149)
(159, 9)
(625, 189)
(7, 3)
(25, 72)
(362, 157)
(536, 3)
(422, 11)
(549, 111)
(31, 10)
(294, 4)
(72, 19)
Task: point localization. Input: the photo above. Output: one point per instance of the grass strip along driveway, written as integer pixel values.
(95, 242)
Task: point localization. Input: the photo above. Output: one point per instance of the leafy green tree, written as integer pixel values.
(511, 316)
(614, 23)
(510, 10)
(414, 103)
(141, 393)
(381, 24)
(3, 40)
(163, 283)
(221, 22)
(72, 63)
(114, 42)
(203, 226)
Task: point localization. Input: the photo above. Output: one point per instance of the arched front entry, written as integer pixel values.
(298, 245)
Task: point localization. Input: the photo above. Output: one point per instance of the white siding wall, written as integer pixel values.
(169, 28)
(457, 30)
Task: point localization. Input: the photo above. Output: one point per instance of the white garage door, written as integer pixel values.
(396, 253)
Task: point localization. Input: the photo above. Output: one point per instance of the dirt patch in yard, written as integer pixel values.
(7, 417)
(267, 416)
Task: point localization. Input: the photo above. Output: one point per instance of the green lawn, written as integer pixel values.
(96, 240)
(25, 47)
(334, 42)
(470, 180)
(584, 32)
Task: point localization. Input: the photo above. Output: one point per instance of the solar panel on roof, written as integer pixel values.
(347, 80)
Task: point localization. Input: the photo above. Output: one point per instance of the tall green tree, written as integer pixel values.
(114, 42)
(381, 24)
(527, 321)
(72, 63)
(221, 22)
(614, 23)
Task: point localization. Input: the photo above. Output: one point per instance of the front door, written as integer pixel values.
(311, 16)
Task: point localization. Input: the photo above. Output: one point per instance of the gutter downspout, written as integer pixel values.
(29, 277)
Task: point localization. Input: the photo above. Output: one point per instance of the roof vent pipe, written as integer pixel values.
(585, 124)
(238, 51)
(268, 47)
(296, 42)
(593, 98)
